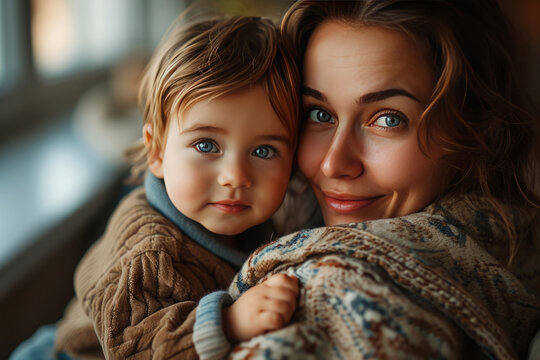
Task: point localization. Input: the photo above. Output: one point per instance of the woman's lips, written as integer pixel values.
(230, 207)
(346, 204)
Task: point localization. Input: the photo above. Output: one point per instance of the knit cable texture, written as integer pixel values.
(427, 285)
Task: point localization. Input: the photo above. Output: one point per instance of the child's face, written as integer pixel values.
(227, 161)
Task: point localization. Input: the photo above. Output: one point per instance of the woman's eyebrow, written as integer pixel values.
(364, 99)
(307, 91)
(384, 94)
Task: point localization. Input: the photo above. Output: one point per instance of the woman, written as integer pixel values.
(416, 136)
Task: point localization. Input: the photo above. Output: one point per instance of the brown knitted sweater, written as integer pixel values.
(137, 288)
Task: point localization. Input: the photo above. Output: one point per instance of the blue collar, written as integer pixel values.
(157, 198)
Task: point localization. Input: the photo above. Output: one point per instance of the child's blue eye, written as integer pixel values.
(388, 120)
(206, 146)
(320, 116)
(264, 152)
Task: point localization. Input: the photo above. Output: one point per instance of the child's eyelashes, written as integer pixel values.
(206, 146)
(265, 152)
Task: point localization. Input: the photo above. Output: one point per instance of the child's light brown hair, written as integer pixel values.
(210, 58)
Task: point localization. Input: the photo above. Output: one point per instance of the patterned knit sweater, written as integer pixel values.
(429, 285)
(138, 285)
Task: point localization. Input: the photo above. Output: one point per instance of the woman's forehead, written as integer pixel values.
(367, 58)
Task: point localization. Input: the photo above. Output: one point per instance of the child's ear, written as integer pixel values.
(155, 160)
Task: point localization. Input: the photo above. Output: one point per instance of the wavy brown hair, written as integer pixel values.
(477, 110)
(209, 58)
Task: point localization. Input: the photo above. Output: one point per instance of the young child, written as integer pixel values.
(425, 166)
(221, 112)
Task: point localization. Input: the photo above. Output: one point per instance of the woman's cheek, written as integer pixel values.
(310, 155)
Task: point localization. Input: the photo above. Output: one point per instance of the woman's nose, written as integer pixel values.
(342, 158)
(234, 173)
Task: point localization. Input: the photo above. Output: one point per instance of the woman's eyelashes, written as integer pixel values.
(320, 116)
(388, 120)
(208, 146)
(384, 119)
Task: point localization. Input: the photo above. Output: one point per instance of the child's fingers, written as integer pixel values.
(284, 280)
(280, 293)
(285, 308)
(271, 320)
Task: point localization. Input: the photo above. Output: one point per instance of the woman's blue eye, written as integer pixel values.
(320, 116)
(264, 152)
(206, 146)
(388, 120)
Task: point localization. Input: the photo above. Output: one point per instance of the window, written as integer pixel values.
(72, 35)
(51, 51)
(8, 40)
(2, 51)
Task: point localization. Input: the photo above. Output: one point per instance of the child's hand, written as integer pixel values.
(265, 307)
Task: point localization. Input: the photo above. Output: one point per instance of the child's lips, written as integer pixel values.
(230, 206)
(345, 204)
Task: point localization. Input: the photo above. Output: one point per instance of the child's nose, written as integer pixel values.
(235, 174)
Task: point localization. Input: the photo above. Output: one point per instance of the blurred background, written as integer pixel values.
(69, 73)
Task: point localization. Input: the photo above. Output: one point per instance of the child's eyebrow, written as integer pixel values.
(280, 138)
(214, 129)
(203, 128)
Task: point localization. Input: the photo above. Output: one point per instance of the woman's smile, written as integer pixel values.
(345, 203)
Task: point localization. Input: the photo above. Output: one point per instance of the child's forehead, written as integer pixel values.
(248, 106)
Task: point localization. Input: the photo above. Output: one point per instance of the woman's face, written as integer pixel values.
(365, 89)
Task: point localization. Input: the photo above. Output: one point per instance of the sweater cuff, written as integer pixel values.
(208, 336)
